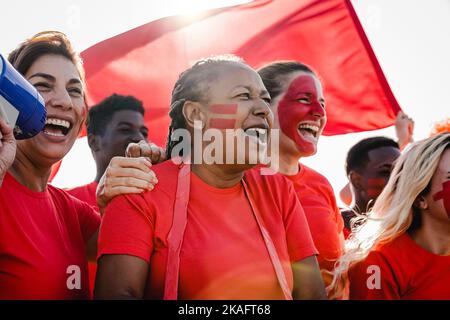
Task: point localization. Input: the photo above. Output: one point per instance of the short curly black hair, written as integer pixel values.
(101, 114)
(358, 155)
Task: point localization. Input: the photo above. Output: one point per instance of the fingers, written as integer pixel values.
(130, 182)
(125, 176)
(157, 154)
(143, 149)
(140, 163)
(6, 132)
(128, 176)
(133, 150)
(130, 172)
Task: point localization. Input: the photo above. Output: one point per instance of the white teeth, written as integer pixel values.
(58, 122)
(313, 128)
(53, 134)
(260, 131)
(257, 133)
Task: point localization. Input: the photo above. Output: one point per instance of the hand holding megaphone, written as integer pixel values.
(7, 148)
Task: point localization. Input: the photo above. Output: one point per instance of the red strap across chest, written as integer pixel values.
(176, 234)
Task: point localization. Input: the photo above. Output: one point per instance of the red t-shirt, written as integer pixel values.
(223, 255)
(406, 271)
(42, 243)
(324, 218)
(87, 193)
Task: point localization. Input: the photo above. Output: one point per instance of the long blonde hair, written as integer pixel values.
(392, 214)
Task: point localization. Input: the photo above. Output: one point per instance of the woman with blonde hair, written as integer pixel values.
(401, 250)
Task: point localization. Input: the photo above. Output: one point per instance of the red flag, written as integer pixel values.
(146, 61)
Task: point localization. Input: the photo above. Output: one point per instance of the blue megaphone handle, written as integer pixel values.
(25, 98)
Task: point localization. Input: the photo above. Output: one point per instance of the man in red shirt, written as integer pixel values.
(368, 166)
(112, 125)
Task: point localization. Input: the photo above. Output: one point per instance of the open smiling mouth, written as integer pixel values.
(306, 129)
(57, 127)
(258, 133)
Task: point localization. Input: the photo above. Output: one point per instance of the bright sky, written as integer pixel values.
(409, 37)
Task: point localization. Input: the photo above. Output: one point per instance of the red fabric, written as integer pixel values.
(41, 235)
(222, 244)
(324, 218)
(407, 272)
(327, 35)
(87, 193)
(346, 233)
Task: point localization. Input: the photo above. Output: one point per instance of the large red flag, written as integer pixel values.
(146, 61)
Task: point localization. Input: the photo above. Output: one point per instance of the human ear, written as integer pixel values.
(94, 142)
(356, 180)
(193, 113)
(420, 203)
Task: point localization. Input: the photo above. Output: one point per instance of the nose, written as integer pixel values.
(317, 110)
(262, 110)
(137, 136)
(61, 99)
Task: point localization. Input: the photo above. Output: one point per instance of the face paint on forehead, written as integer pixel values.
(291, 112)
(303, 84)
(444, 195)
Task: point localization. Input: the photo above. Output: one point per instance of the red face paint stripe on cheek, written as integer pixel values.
(224, 108)
(376, 183)
(444, 195)
(218, 123)
(373, 193)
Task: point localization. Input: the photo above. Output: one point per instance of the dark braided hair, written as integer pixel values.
(274, 75)
(192, 85)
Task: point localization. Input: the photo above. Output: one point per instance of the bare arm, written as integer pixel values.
(308, 283)
(91, 247)
(404, 129)
(120, 277)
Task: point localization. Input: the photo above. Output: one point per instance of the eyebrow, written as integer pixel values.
(43, 75)
(130, 124)
(53, 79)
(385, 165)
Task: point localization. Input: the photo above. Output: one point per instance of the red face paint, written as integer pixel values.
(220, 123)
(223, 109)
(374, 187)
(292, 112)
(444, 195)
